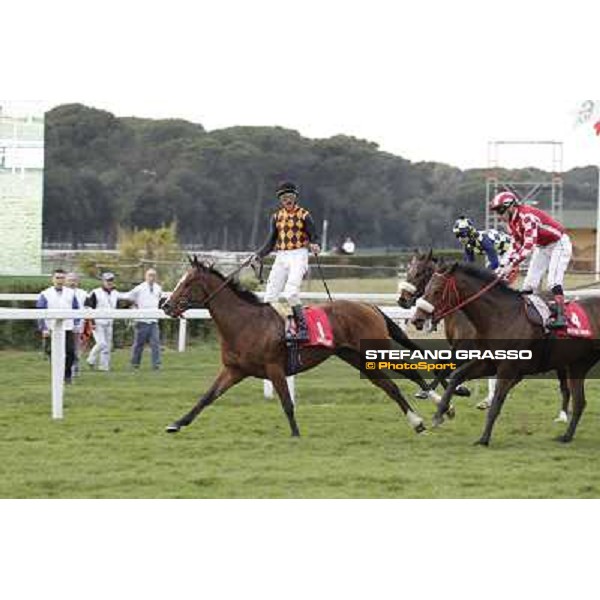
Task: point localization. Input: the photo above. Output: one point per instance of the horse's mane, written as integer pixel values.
(486, 276)
(237, 288)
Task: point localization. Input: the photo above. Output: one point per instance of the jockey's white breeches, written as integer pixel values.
(286, 276)
(553, 258)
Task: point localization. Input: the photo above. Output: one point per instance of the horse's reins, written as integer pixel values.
(227, 280)
(322, 276)
(450, 288)
(246, 263)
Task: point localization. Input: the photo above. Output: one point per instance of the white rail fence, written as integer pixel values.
(57, 335)
(58, 332)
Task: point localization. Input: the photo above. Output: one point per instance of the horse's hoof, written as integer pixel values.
(421, 395)
(451, 412)
(173, 428)
(462, 391)
(437, 420)
(420, 428)
(564, 439)
(481, 442)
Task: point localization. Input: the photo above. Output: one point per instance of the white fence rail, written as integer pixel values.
(58, 332)
(58, 335)
(384, 298)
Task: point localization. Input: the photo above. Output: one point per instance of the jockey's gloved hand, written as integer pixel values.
(503, 272)
(507, 273)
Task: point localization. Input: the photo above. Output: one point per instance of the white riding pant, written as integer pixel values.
(103, 335)
(553, 258)
(286, 276)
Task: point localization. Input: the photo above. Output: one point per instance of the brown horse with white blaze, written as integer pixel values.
(252, 340)
(497, 313)
(457, 327)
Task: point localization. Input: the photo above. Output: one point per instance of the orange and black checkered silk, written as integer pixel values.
(291, 229)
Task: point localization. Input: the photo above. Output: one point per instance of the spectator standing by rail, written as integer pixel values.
(103, 297)
(146, 295)
(72, 282)
(59, 296)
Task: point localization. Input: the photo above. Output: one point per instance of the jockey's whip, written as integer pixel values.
(322, 276)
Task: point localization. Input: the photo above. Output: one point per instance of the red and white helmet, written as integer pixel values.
(500, 202)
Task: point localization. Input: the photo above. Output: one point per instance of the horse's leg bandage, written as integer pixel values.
(425, 306)
(404, 286)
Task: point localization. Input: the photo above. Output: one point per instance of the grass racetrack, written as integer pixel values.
(354, 441)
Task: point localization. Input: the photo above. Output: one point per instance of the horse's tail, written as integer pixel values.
(397, 334)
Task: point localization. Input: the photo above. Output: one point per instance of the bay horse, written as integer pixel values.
(497, 312)
(252, 340)
(457, 326)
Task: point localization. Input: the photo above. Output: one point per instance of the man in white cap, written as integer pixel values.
(103, 297)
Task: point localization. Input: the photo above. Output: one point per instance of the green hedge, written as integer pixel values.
(368, 265)
(24, 334)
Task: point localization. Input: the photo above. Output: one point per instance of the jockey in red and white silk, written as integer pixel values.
(536, 233)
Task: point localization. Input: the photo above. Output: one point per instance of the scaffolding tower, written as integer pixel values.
(547, 192)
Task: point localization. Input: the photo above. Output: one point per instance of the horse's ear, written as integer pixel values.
(190, 260)
(453, 267)
(430, 254)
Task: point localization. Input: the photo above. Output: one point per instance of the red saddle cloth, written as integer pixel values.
(578, 323)
(319, 327)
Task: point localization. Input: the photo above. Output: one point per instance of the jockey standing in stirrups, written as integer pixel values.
(536, 233)
(292, 233)
(494, 244)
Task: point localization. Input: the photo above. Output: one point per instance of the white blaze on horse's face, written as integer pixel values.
(178, 287)
(180, 282)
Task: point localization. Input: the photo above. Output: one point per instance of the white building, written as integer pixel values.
(21, 188)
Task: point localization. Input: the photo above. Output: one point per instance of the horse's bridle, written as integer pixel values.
(204, 303)
(449, 293)
(411, 288)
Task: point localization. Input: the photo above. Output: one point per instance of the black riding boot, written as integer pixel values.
(559, 321)
(301, 328)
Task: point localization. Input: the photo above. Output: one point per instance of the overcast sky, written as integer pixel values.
(429, 80)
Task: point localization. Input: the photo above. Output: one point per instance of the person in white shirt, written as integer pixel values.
(348, 247)
(146, 295)
(72, 281)
(59, 296)
(104, 297)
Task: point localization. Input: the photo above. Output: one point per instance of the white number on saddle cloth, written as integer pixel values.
(574, 318)
(321, 331)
